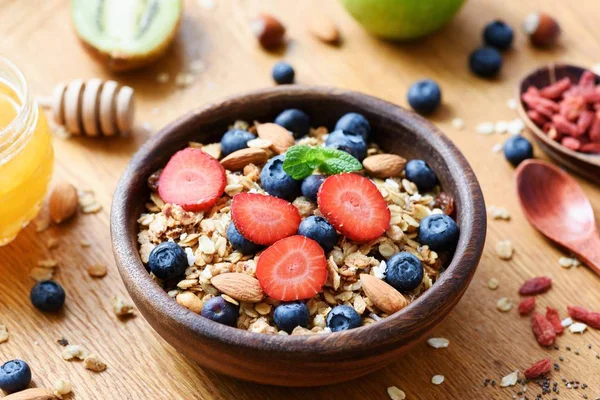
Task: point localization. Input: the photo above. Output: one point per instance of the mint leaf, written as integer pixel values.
(301, 161)
(337, 161)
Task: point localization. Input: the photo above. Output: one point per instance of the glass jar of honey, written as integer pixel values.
(26, 154)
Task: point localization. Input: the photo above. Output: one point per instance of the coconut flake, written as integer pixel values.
(458, 123)
(437, 379)
(512, 104)
(379, 271)
(485, 128)
(510, 379)
(438, 343)
(395, 393)
(566, 322)
(577, 327)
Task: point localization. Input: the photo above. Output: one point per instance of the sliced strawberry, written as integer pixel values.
(354, 206)
(192, 179)
(264, 219)
(294, 268)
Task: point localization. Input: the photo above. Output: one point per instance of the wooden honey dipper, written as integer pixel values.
(92, 108)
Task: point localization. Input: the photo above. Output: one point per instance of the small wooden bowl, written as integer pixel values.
(300, 360)
(587, 165)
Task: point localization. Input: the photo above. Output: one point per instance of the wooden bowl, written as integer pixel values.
(586, 165)
(299, 360)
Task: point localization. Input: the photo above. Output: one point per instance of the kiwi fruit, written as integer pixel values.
(126, 34)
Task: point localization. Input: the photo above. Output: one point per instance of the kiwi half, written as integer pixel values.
(126, 34)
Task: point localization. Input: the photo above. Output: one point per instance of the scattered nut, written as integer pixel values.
(94, 363)
(61, 387)
(268, 30)
(542, 29)
(504, 249)
(384, 165)
(74, 351)
(63, 202)
(504, 304)
(97, 270)
(122, 307)
(493, 284)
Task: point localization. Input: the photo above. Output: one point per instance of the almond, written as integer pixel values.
(32, 394)
(268, 30)
(281, 139)
(239, 286)
(240, 158)
(383, 296)
(323, 29)
(63, 202)
(384, 165)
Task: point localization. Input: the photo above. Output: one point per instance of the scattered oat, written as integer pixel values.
(566, 322)
(94, 363)
(485, 128)
(438, 343)
(84, 243)
(52, 243)
(499, 212)
(493, 283)
(61, 387)
(577, 327)
(395, 393)
(122, 307)
(497, 148)
(512, 104)
(504, 304)
(3, 333)
(510, 379)
(74, 351)
(437, 379)
(97, 270)
(458, 123)
(88, 203)
(504, 249)
(162, 78)
(568, 262)
(39, 274)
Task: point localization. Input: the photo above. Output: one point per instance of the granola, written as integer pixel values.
(203, 236)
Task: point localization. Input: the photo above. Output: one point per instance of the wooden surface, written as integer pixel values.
(484, 343)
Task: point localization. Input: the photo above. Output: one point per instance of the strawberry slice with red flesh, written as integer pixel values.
(293, 268)
(192, 179)
(354, 206)
(264, 219)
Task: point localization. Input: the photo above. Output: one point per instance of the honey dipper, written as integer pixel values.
(92, 108)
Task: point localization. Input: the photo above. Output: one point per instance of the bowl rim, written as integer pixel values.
(551, 69)
(454, 280)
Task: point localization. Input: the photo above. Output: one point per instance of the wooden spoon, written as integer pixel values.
(555, 205)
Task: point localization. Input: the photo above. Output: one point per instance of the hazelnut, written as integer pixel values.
(268, 30)
(542, 29)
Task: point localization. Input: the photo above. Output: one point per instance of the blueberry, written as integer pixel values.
(424, 96)
(283, 73)
(404, 271)
(239, 242)
(220, 310)
(235, 139)
(349, 142)
(356, 123)
(485, 62)
(276, 182)
(287, 316)
(342, 318)
(168, 261)
(319, 230)
(15, 376)
(295, 121)
(517, 149)
(310, 186)
(439, 232)
(497, 34)
(418, 172)
(47, 296)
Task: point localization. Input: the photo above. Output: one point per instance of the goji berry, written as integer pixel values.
(593, 148)
(571, 143)
(445, 202)
(538, 369)
(554, 318)
(542, 329)
(590, 318)
(584, 121)
(527, 305)
(555, 90)
(537, 285)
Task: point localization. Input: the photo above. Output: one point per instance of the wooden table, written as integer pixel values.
(484, 343)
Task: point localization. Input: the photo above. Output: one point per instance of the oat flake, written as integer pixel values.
(438, 343)
(61, 387)
(504, 304)
(493, 284)
(94, 363)
(437, 379)
(395, 393)
(122, 307)
(577, 327)
(566, 322)
(504, 249)
(499, 212)
(510, 379)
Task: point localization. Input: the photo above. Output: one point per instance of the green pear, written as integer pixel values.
(402, 19)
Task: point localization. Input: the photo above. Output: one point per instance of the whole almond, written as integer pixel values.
(240, 158)
(239, 286)
(32, 394)
(281, 139)
(323, 29)
(384, 165)
(383, 296)
(63, 202)
(268, 30)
